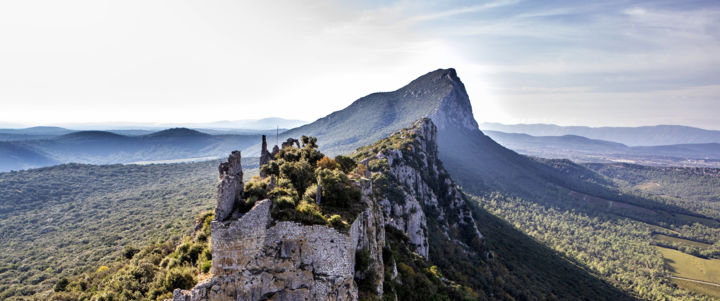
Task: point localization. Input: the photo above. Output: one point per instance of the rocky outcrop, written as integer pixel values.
(290, 142)
(454, 108)
(256, 257)
(428, 188)
(370, 237)
(264, 155)
(229, 187)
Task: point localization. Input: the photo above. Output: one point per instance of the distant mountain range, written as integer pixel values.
(17, 157)
(253, 124)
(233, 126)
(41, 146)
(105, 147)
(583, 149)
(631, 136)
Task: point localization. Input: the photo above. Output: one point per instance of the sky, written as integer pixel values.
(596, 63)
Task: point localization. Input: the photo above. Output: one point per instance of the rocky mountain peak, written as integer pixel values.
(453, 109)
(439, 95)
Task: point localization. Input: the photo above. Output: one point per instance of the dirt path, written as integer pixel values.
(693, 280)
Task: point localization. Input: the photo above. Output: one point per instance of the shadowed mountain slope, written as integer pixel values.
(373, 117)
(440, 96)
(15, 157)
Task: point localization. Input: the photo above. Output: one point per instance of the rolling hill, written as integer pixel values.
(583, 149)
(105, 147)
(32, 133)
(631, 136)
(16, 157)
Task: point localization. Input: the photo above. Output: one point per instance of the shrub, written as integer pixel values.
(336, 222)
(433, 270)
(205, 231)
(284, 202)
(288, 154)
(337, 189)
(310, 193)
(286, 192)
(308, 141)
(130, 251)
(256, 189)
(272, 168)
(205, 266)
(346, 164)
(61, 285)
(183, 278)
(309, 213)
(406, 269)
(300, 174)
(328, 163)
(309, 150)
(361, 169)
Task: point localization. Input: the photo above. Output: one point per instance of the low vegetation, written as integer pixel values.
(617, 249)
(150, 273)
(687, 246)
(696, 189)
(64, 220)
(292, 179)
(409, 276)
(595, 217)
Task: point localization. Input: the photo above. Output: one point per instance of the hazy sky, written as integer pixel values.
(566, 62)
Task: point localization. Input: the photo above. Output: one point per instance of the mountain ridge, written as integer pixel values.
(582, 149)
(631, 136)
(377, 115)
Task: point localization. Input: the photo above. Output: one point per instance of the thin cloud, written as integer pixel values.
(228, 54)
(461, 11)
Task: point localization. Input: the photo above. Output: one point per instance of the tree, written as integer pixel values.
(61, 285)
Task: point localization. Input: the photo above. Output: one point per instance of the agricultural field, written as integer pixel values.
(695, 273)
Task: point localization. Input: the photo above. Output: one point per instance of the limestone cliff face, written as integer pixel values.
(427, 189)
(454, 108)
(258, 258)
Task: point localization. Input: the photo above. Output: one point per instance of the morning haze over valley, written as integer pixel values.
(348, 150)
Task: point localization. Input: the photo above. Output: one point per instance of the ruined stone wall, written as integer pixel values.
(256, 258)
(229, 187)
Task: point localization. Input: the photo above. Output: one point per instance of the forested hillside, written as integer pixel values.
(62, 220)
